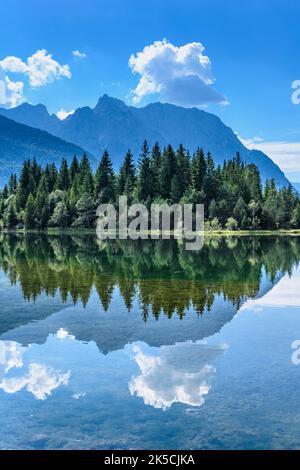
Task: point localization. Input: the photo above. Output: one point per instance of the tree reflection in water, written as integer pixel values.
(164, 277)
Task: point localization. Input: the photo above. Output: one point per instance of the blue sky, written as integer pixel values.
(253, 49)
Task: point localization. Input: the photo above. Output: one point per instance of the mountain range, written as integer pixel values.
(114, 126)
(19, 142)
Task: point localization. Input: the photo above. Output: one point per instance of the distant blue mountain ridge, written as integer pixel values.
(19, 142)
(116, 127)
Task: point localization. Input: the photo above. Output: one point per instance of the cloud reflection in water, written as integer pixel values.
(36, 378)
(181, 373)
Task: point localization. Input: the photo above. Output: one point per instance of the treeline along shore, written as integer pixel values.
(233, 194)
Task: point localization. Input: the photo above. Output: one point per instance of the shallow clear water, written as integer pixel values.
(143, 345)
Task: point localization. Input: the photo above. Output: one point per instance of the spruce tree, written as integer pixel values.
(168, 171)
(156, 169)
(53, 176)
(85, 176)
(12, 184)
(86, 212)
(210, 183)
(12, 218)
(145, 182)
(183, 172)
(42, 209)
(105, 181)
(23, 187)
(198, 169)
(29, 216)
(63, 182)
(74, 168)
(69, 197)
(36, 173)
(240, 213)
(126, 178)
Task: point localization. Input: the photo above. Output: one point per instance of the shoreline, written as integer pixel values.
(215, 233)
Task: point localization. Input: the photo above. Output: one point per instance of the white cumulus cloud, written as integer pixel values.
(43, 69)
(13, 92)
(284, 154)
(40, 69)
(13, 64)
(180, 75)
(63, 114)
(79, 55)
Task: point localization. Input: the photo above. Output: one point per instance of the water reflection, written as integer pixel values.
(36, 378)
(181, 373)
(138, 345)
(283, 294)
(166, 279)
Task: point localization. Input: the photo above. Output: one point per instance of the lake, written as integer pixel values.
(143, 345)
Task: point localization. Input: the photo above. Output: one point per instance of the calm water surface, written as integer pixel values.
(144, 345)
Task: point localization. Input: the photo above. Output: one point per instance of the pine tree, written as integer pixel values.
(11, 220)
(168, 171)
(5, 192)
(69, 197)
(198, 169)
(145, 175)
(213, 209)
(86, 212)
(240, 213)
(155, 169)
(73, 199)
(210, 183)
(63, 182)
(23, 187)
(36, 173)
(252, 187)
(270, 205)
(12, 184)
(182, 179)
(42, 209)
(105, 181)
(29, 217)
(53, 176)
(295, 217)
(86, 176)
(126, 178)
(74, 168)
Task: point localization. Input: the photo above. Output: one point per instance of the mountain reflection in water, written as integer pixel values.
(127, 344)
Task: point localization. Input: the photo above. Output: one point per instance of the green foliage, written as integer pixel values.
(60, 216)
(231, 224)
(198, 169)
(29, 218)
(11, 216)
(86, 212)
(215, 224)
(64, 176)
(78, 264)
(232, 195)
(146, 175)
(105, 181)
(126, 179)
